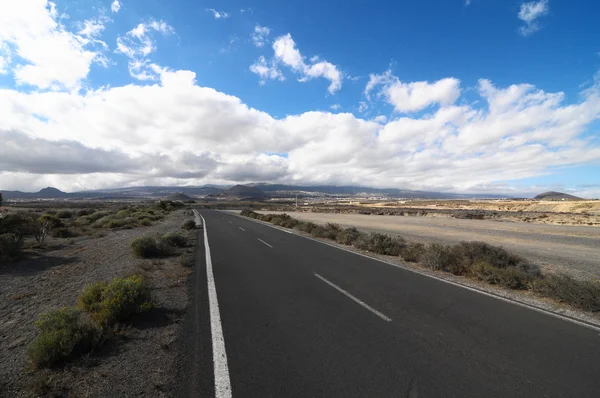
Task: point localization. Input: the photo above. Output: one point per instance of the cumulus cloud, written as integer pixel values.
(266, 70)
(115, 6)
(178, 132)
(259, 35)
(218, 14)
(54, 57)
(286, 53)
(413, 96)
(138, 44)
(530, 13)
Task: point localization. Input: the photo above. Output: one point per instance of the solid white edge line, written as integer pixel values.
(221, 369)
(339, 289)
(242, 229)
(475, 290)
(265, 242)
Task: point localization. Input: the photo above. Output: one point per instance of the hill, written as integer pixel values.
(552, 195)
(244, 192)
(180, 196)
(46, 193)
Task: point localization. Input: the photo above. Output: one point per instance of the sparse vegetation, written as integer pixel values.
(64, 333)
(174, 239)
(584, 295)
(189, 224)
(380, 244)
(117, 301)
(150, 247)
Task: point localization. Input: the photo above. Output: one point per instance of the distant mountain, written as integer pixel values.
(556, 196)
(244, 192)
(356, 190)
(46, 193)
(180, 196)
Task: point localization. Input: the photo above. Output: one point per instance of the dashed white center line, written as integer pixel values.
(339, 289)
(264, 242)
(242, 229)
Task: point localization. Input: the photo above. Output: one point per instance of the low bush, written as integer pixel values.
(510, 277)
(117, 301)
(305, 226)
(64, 214)
(149, 247)
(380, 244)
(472, 252)
(348, 236)
(64, 333)
(145, 222)
(189, 224)
(174, 239)
(84, 212)
(63, 233)
(10, 245)
(249, 213)
(52, 220)
(437, 257)
(584, 295)
(412, 252)
(97, 216)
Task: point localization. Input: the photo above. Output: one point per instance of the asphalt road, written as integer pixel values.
(558, 247)
(303, 319)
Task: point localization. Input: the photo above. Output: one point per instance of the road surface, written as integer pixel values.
(559, 247)
(290, 317)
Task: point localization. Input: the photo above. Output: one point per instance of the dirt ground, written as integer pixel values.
(138, 362)
(556, 248)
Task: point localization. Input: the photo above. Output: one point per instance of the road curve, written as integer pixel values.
(300, 318)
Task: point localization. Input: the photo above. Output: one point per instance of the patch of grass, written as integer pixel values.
(189, 224)
(117, 301)
(64, 333)
(174, 239)
(584, 295)
(150, 247)
(380, 244)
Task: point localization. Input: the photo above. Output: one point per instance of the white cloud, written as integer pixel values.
(177, 132)
(266, 70)
(335, 107)
(138, 44)
(53, 57)
(529, 13)
(92, 28)
(468, 2)
(286, 53)
(414, 96)
(115, 6)
(218, 14)
(260, 34)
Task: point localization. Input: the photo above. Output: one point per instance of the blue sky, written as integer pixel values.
(478, 96)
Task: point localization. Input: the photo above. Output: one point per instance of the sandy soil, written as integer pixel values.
(556, 248)
(139, 361)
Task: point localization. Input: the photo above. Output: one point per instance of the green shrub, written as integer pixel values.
(64, 214)
(584, 295)
(149, 247)
(413, 252)
(380, 244)
(52, 220)
(348, 236)
(473, 252)
(84, 212)
(305, 226)
(510, 277)
(145, 222)
(97, 215)
(324, 232)
(174, 239)
(117, 301)
(189, 224)
(64, 333)
(249, 213)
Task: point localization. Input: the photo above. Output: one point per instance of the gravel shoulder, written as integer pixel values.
(139, 360)
(556, 248)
